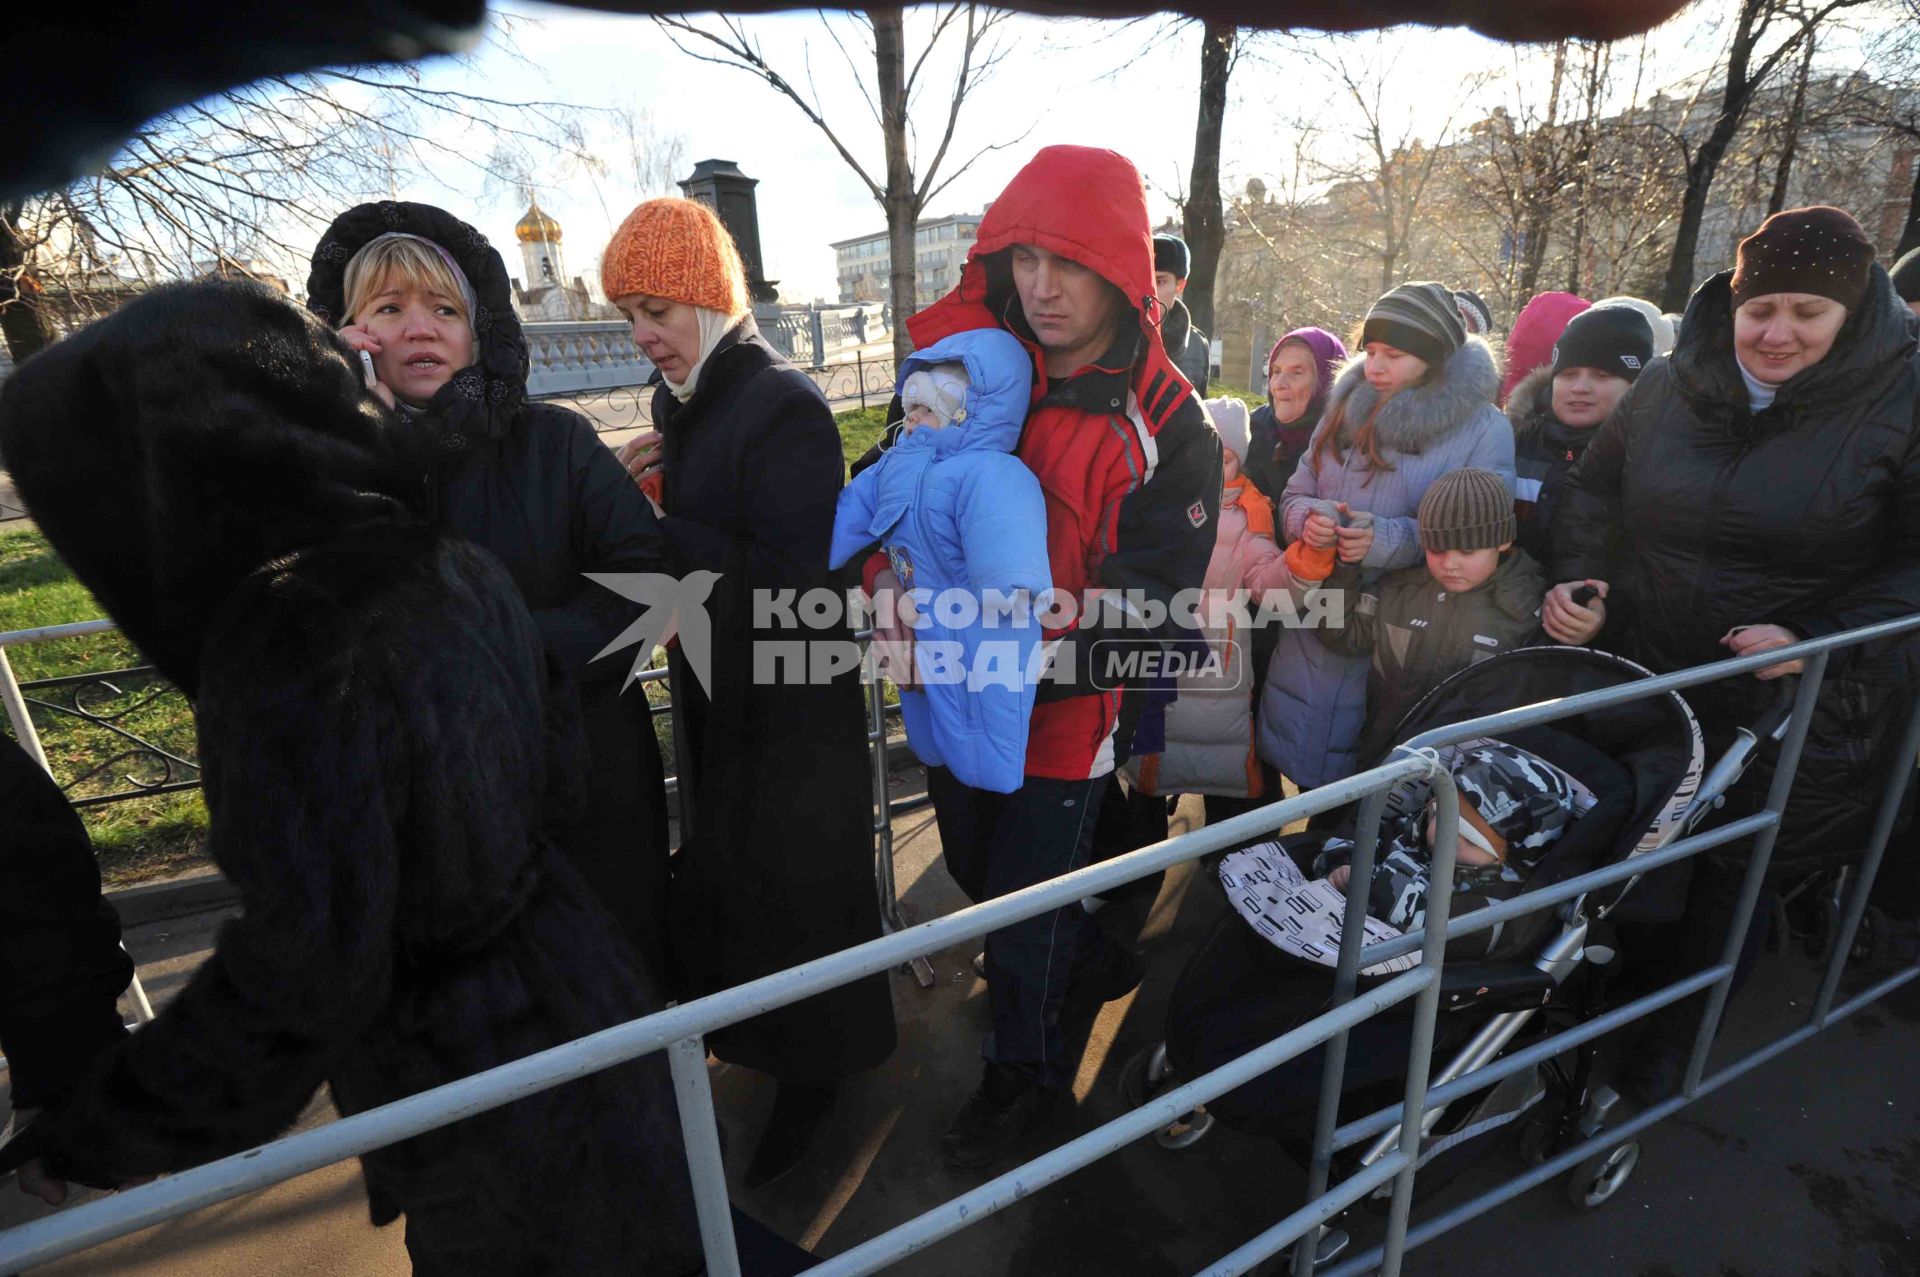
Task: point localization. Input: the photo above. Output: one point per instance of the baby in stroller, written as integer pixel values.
(1267, 967)
(1514, 805)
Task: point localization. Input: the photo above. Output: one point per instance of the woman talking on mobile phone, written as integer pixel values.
(427, 298)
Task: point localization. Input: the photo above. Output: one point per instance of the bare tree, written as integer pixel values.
(1202, 215)
(1746, 71)
(1383, 190)
(907, 180)
(249, 176)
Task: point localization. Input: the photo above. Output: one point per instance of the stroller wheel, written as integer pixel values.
(1537, 1134)
(1780, 934)
(1824, 926)
(1147, 1073)
(1144, 1075)
(1872, 941)
(1595, 1181)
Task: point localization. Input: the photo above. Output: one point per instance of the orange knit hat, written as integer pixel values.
(679, 250)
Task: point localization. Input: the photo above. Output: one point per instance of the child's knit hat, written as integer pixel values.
(677, 249)
(1229, 417)
(940, 388)
(1420, 318)
(1466, 510)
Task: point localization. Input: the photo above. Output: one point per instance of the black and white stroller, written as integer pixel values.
(1642, 764)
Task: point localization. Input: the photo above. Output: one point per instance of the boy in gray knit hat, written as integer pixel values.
(1476, 596)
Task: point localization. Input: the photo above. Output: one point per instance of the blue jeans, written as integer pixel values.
(999, 843)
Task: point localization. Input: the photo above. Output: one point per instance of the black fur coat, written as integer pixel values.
(378, 737)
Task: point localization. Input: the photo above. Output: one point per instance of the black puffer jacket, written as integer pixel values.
(1705, 515)
(534, 486)
(379, 734)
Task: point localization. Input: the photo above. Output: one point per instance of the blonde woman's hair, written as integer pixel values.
(403, 263)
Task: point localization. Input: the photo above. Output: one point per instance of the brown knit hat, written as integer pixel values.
(1819, 250)
(679, 250)
(1466, 510)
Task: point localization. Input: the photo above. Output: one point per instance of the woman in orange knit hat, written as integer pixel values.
(776, 866)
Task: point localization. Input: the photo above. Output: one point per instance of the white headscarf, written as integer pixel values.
(713, 326)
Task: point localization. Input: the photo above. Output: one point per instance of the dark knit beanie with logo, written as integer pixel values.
(1466, 510)
(1615, 339)
(1170, 254)
(1819, 250)
(1421, 319)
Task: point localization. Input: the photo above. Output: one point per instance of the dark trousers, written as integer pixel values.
(999, 843)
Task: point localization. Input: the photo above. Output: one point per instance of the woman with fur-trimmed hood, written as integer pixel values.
(1418, 404)
(427, 297)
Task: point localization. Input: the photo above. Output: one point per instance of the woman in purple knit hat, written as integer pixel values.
(1300, 371)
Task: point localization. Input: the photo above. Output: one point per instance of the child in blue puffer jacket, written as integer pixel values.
(959, 516)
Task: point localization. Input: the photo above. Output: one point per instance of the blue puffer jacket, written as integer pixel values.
(956, 511)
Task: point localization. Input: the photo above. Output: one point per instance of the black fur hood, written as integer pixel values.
(201, 431)
(480, 403)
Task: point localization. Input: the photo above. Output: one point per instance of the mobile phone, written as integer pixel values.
(366, 368)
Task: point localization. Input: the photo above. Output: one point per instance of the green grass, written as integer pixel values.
(142, 837)
(860, 430)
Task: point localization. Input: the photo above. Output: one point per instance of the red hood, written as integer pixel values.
(1535, 330)
(1083, 203)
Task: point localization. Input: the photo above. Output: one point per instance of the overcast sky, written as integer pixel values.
(1133, 88)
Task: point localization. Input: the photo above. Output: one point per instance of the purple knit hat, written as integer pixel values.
(1329, 352)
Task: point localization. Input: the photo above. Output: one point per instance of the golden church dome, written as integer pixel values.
(536, 226)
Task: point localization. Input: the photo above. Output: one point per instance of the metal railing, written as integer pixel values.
(679, 1030)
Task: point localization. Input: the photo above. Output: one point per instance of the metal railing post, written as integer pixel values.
(687, 1059)
(1426, 1011)
(1785, 767)
(23, 729)
(1333, 1071)
(1897, 782)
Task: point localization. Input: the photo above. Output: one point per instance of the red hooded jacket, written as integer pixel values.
(1125, 455)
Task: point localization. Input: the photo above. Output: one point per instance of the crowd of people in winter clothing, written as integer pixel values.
(369, 566)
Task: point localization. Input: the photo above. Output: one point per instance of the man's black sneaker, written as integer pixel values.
(1008, 1104)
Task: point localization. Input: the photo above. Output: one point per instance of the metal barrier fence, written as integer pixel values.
(679, 1030)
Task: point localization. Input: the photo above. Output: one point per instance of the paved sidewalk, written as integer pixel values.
(1809, 1165)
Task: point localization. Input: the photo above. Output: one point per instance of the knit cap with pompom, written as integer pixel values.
(676, 249)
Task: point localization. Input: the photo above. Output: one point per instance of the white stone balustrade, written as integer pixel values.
(567, 358)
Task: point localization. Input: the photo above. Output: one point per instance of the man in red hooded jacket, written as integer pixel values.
(1130, 467)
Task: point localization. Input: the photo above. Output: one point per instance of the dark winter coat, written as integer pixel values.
(1544, 449)
(1420, 634)
(533, 485)
(1191, 351)
(381, 744)
(61, 964)
(778, 866)
(1704, 515)
(1274, 447)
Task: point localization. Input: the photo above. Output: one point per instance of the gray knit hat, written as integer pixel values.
(1421, 318)
(1466, 510)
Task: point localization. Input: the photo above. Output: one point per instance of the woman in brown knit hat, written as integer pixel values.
(1761, 486)
(777, 864)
